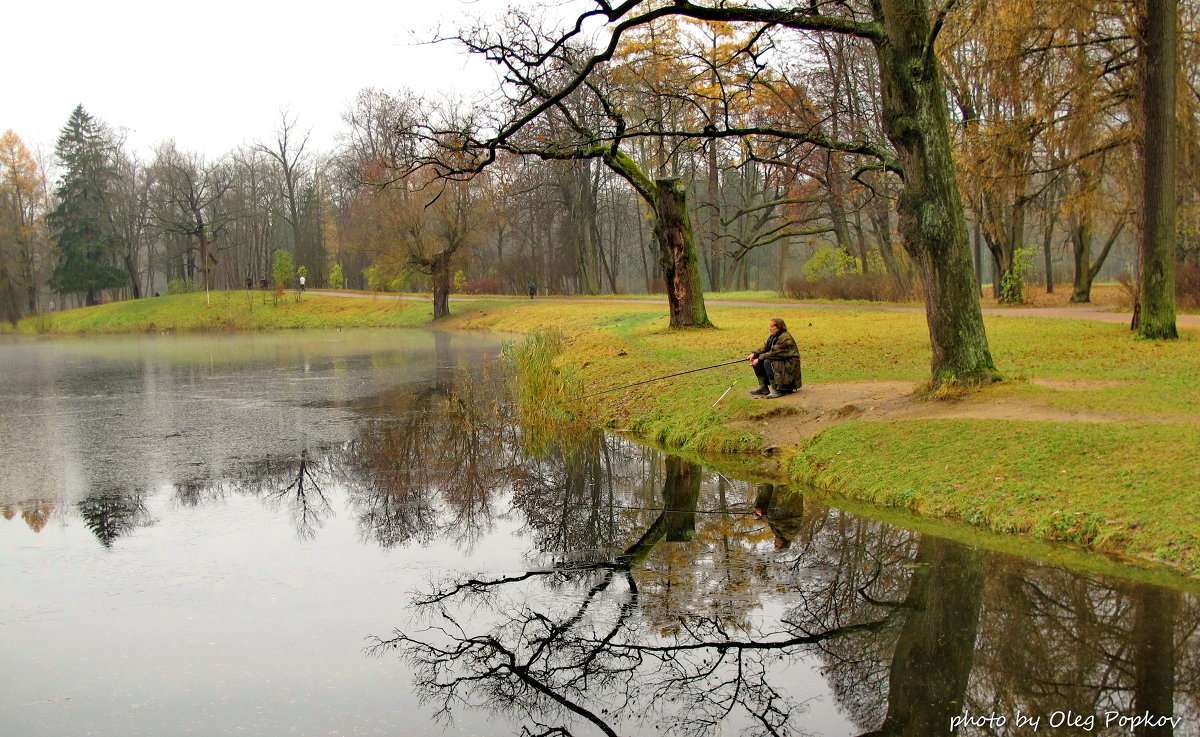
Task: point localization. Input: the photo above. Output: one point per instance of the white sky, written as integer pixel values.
(216, 74)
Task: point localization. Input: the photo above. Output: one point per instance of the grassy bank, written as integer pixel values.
(237, 310)
(1126, 485)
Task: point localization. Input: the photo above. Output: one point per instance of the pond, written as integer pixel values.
(347, 533)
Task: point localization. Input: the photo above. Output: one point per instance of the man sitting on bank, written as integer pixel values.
(777, 364)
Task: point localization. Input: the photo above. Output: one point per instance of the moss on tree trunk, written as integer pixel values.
(677, 255)
(929, 206)
(1156, 313)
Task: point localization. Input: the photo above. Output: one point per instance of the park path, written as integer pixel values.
(1099, 313)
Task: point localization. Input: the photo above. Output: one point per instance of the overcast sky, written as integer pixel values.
(216, 74)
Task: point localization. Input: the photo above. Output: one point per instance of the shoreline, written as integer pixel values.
(1078, 447)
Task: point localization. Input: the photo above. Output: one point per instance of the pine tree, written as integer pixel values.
(81, 220)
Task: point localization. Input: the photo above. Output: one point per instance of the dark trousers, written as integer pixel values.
(762, 370)
(765, 371)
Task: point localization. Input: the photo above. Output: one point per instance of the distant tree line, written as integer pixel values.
(784, 131)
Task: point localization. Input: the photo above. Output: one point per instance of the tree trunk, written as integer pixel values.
(836, 202)
(1081, 239)
(860, 237)
(881, 219)
(1047, 245)
(979, 256)
(929, 206)
(713, 257)
(440, 278)
(1156, 316)
(677, 254)
(935, 651)
(134, 278)
(1155, 610)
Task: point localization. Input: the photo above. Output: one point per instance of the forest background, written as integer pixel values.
(1043, 101)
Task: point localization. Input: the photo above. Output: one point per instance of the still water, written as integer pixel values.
(347, 534)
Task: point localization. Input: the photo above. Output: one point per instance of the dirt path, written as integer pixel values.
(1100, 313)
(789, 419)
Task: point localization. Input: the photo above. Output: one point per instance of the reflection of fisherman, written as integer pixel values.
(783, 510)
(777, 363)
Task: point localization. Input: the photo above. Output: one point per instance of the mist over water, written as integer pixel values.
(343, 533)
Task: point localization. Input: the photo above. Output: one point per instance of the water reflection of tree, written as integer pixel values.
(111, 514)
(1087, 643)
(613, 642)
(36, 513)
(303, 498)
(430, 463)
(292, 482)
(567, 495)
(910, 630)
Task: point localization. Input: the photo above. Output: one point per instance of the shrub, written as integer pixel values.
(1012, 284)
(1187, 286)
(179, 286)
(873, 287)
(283, 269)
(828, 263)
(337, 279)
(484, 285)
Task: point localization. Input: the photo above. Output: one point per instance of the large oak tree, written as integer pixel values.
(902, 34)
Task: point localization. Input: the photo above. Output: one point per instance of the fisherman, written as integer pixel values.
(777, 363)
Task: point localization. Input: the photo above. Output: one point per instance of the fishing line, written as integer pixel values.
(657, 378)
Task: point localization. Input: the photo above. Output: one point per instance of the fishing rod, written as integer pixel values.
(659, 378)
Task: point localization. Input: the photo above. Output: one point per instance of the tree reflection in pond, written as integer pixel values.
(429, 463)
(593, 642)
(908, 630)
(111, 514)
(657, 593)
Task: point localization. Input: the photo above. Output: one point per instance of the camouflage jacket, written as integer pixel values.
(784, 358)
(783, 347)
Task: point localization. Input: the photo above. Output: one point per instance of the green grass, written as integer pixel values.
(236, 310)
(1125, 487)
(1111, 487)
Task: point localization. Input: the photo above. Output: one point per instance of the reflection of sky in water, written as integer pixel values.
(115, 413)
(213, 618)
(213, 610)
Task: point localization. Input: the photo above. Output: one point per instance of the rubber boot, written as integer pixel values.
(762, 389)
(774, 393)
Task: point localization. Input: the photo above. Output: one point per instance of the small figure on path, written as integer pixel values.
(302, 282)
(777, 363)
(532, 289)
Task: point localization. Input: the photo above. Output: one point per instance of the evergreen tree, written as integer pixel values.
(81, 220)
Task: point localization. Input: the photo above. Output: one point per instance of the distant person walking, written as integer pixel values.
(302, 282)
(532, 289)
(777, 363)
